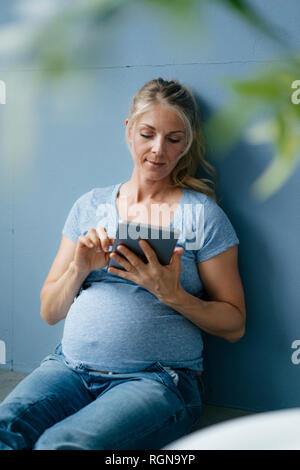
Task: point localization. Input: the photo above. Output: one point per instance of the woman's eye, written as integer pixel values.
(149, 136)
(146, 136)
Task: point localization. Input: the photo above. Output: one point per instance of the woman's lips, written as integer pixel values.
(154, 165)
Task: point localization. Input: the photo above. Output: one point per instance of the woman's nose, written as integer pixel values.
(158, 145)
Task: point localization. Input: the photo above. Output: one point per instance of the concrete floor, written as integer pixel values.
(210, 415)
(8, 380)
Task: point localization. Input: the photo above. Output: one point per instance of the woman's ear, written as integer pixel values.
(128, 131)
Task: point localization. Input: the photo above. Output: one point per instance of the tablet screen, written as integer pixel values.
(161, 239)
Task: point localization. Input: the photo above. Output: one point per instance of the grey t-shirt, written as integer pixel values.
(116, 325)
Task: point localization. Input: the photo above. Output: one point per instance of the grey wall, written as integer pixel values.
(79, 144)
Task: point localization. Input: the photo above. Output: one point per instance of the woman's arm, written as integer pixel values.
(58, 296)
(62, 284)
(71, 267)
(225, 314)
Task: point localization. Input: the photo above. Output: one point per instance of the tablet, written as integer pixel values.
(162, 239)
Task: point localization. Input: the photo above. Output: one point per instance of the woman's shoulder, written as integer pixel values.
(196, 197)
(212, 210)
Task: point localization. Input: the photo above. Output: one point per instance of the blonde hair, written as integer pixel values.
(181, 99)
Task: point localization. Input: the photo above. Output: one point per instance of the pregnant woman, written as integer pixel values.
(127, 372)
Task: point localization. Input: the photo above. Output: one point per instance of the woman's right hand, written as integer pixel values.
(92, 250)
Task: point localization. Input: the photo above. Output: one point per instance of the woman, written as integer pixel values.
(127, 372)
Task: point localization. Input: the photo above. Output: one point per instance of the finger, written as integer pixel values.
(122, 261)
(105, 241)
(149, 252)
(120, 272)
(94, 238)
(133, 259)
(85, 241)
(177, 255)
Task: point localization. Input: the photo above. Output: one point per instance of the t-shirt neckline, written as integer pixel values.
(175, 220)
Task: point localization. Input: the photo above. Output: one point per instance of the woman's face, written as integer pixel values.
(157, 140)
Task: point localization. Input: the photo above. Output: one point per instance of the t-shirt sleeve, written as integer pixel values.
(219, 234)
(71, 228)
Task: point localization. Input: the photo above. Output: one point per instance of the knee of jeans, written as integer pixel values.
(60, 446)
(60, 437)
(21, 420)
(19, 409)
(50, 439)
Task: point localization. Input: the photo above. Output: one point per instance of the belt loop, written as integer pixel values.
(172, 373)
(58, 349)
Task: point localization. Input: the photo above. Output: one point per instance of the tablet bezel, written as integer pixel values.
(163, 246)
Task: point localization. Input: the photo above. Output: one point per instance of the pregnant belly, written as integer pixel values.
(108, 325)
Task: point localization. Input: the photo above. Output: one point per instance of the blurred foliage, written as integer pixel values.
(262, 112)
(62, 36)
(245, 10)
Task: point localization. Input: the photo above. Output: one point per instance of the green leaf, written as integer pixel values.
(176, 7)
(273, 178)
(227, 125)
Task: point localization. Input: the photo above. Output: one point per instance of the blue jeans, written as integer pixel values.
(62, 406)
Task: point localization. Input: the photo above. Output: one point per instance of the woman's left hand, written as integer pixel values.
(162, 281)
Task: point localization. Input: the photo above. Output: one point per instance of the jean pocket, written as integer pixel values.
(201, 386)
(53, 356)
(194, 410)
(50, 357)
(189, 388)
(195, 404)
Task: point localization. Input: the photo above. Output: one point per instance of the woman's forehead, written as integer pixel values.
(161, 116)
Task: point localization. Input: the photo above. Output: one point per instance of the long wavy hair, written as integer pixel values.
(181, 99)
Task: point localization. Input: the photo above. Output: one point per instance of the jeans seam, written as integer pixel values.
(160, 377)
(51, 357)
(174, 379)
(165, 372)
(201, 386)
(142, 434)
(24, 411)
(62, 360)
(30, 405)
(24, 446)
